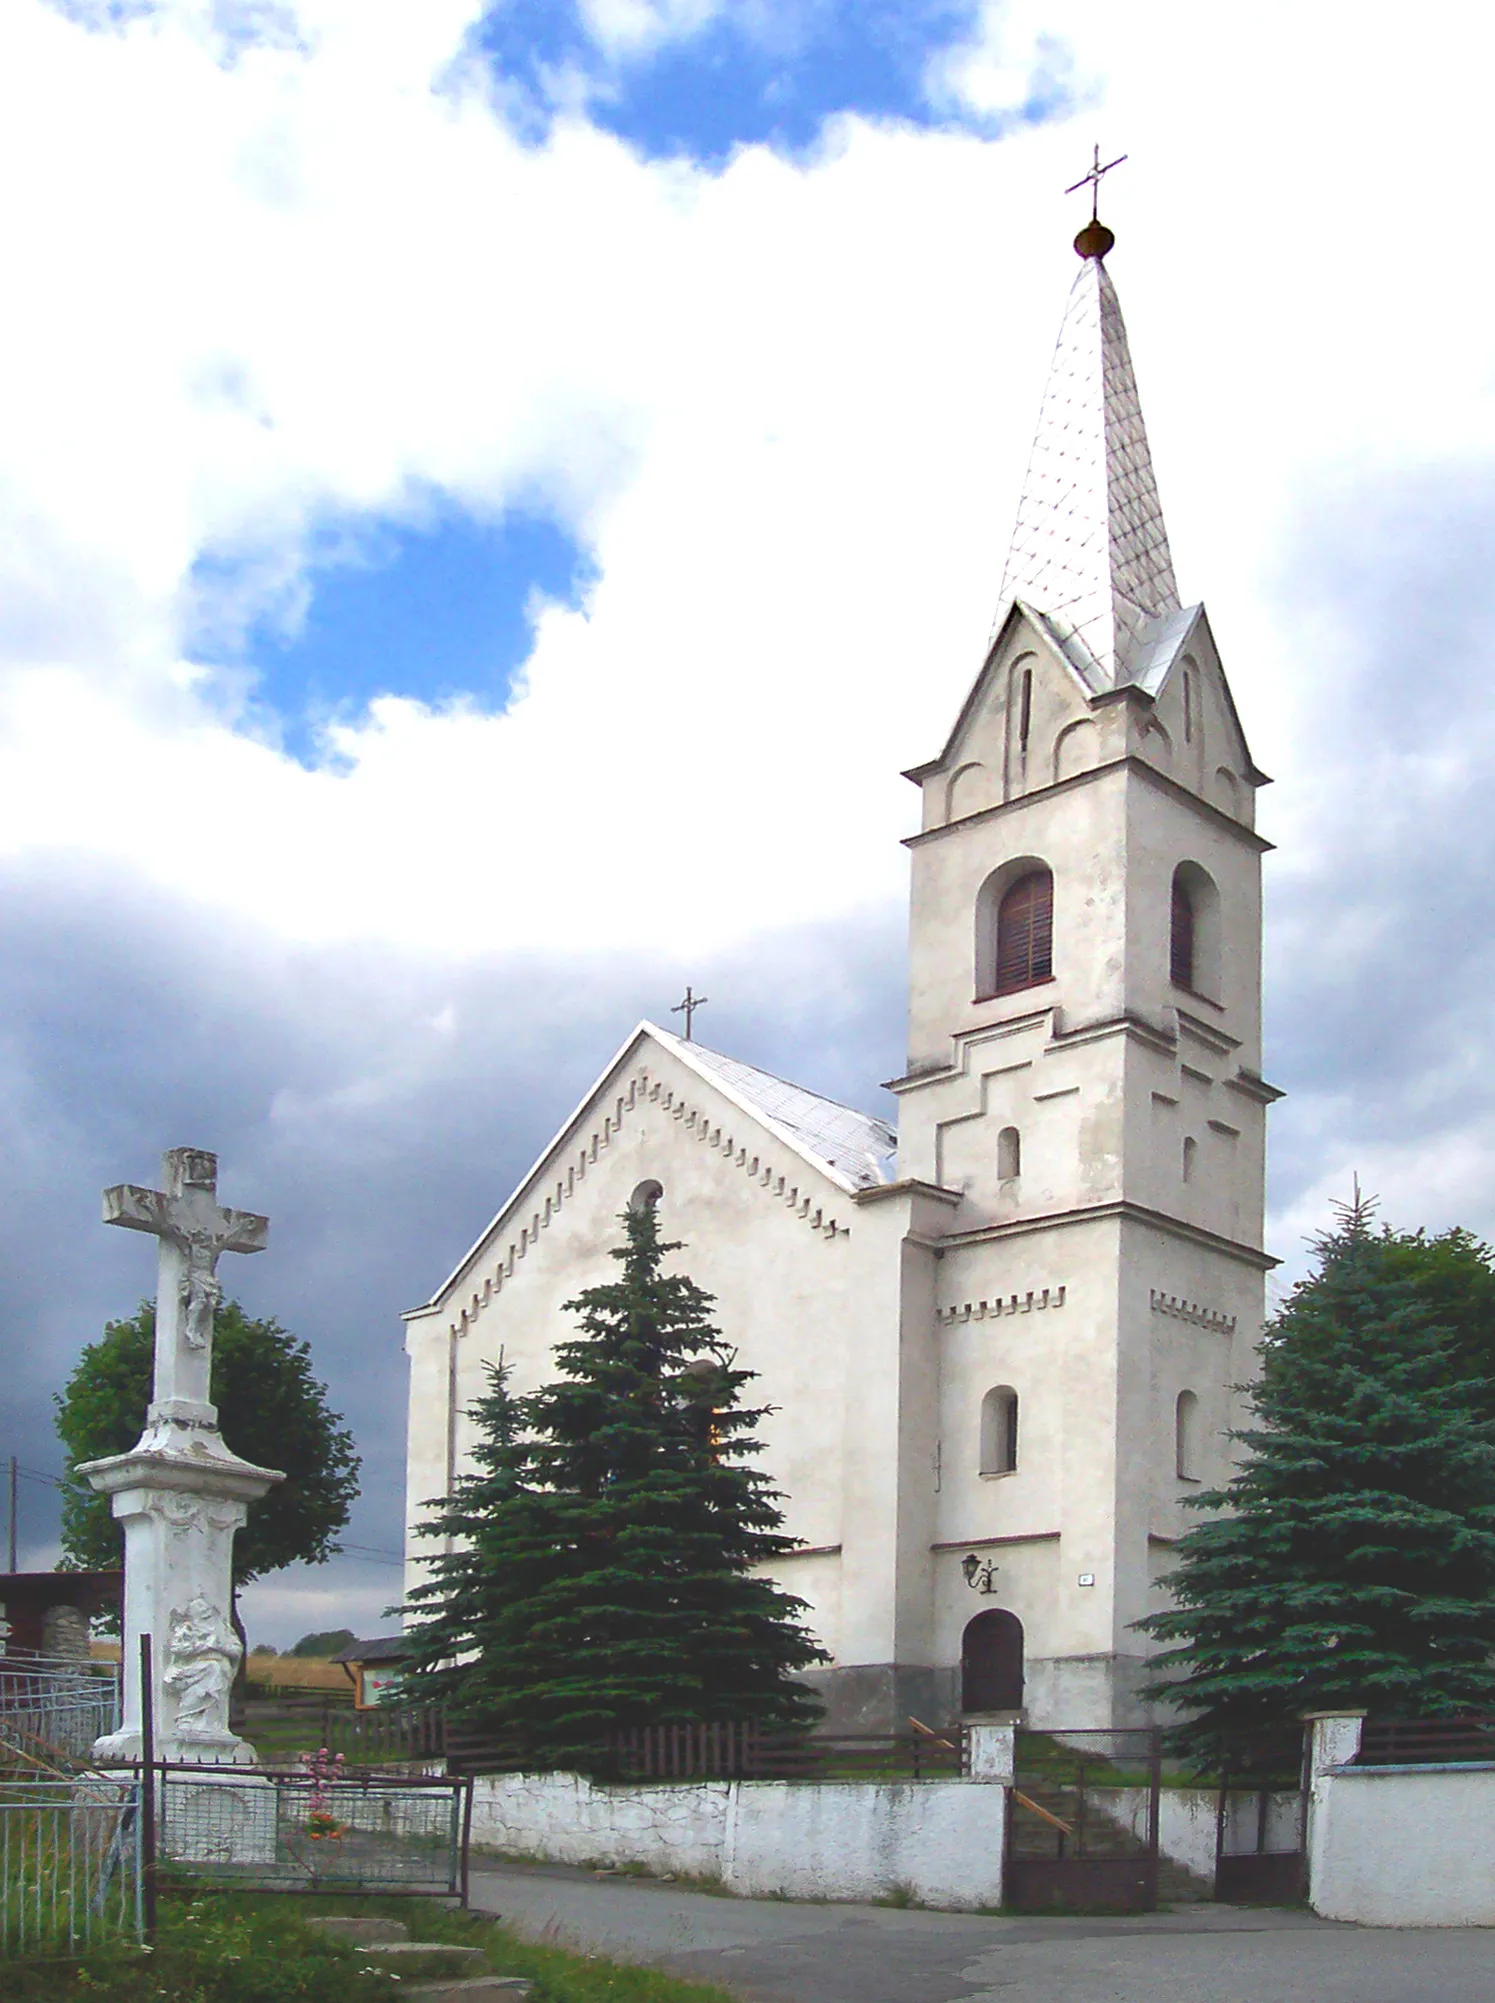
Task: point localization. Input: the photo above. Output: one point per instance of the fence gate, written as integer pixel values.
(1082, 1830)
(1261, 1822)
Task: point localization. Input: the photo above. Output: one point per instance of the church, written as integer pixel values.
(1000, 1341)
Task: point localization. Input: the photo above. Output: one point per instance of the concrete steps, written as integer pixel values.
(1104, 1836)
(439, 1971)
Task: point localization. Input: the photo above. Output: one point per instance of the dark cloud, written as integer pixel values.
(378, 1107)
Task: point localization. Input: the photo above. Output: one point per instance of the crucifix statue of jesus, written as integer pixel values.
(181, 1492)
(193, 1232)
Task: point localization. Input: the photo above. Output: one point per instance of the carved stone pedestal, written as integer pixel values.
(181, 1495)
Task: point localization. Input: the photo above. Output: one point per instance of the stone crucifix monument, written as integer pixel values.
(180, 1493)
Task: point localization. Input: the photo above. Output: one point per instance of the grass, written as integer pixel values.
(256, 1949)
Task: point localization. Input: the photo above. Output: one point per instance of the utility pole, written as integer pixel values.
(11, 1566)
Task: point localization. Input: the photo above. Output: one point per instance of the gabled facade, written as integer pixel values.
(999, 1365)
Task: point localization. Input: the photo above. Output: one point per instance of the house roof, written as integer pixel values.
(383, 1648)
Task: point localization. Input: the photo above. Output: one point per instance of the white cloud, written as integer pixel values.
(628, 29)
(267, 279)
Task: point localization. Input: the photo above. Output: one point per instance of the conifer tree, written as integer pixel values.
(499, 1534)
(613, 1529)
(1355, 1567)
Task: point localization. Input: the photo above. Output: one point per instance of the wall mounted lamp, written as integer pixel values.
(980, 1575)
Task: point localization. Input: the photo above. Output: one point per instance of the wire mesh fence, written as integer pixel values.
(52, 1710)
(313, 1829)
(70, 1863)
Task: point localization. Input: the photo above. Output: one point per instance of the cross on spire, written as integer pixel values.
(1092, 181)
(688, 1008)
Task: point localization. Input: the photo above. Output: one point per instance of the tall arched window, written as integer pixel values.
(1025, 933)
(999, 1431)
(1181, 942)
(1009, 1154)
(1191, 1157)
(1186, 1437)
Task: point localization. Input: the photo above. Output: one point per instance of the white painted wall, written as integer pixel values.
(1398, 1846)
(1186, 1822)
(938, 1842)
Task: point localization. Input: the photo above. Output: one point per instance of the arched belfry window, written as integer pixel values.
(646, 1196)
(1025, 933)
(1009, 1155)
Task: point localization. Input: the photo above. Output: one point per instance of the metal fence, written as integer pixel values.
(70, 1863)
(1083, 1821)
(52, 1710)
(350, 1832)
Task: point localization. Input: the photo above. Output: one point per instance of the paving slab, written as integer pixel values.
(363, 1930)
(772, 1951)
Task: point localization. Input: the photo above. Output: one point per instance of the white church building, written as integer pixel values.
(1000, 1341)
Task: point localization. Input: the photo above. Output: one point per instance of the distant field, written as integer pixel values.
(281, 1672)
(299, 1672)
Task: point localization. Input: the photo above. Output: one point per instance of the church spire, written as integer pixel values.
(1089, 550)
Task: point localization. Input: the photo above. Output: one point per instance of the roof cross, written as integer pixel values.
(1092, 181)
(687, 1008)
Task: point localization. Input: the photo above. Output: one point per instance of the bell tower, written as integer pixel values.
(1084, 1059)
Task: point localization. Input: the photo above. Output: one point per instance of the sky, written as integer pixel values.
(491, 498)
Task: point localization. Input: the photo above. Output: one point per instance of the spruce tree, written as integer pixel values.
(500, 1543)
(1351, 1561)
(612, 1533)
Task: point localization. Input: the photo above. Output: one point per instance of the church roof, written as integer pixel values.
(858, 1147)
(1089, 551)
(856, 1150)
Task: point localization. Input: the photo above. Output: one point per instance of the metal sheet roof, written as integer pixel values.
(857, 1145)
(1089, 549)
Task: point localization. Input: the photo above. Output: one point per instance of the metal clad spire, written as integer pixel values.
(1089, 549)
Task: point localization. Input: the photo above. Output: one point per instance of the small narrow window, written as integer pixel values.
(1009, 1154)
(1025, 933)
(1191, 1153)
(1181, 941)
(1188, 707)
(1025, 712)
(999, 1431)
(1186, 1436)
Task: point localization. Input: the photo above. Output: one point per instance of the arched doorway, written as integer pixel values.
(991, 1662)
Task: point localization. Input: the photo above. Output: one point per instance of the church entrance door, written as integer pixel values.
(991, 1662)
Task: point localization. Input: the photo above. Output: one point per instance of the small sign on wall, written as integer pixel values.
(372, 1684)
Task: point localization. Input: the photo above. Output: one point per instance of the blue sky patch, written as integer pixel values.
(768, 74)
(432, 611)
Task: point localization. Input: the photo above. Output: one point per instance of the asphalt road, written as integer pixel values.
(767, 1951)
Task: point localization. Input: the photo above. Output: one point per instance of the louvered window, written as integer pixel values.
(1181, 949)
(1025, 933)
